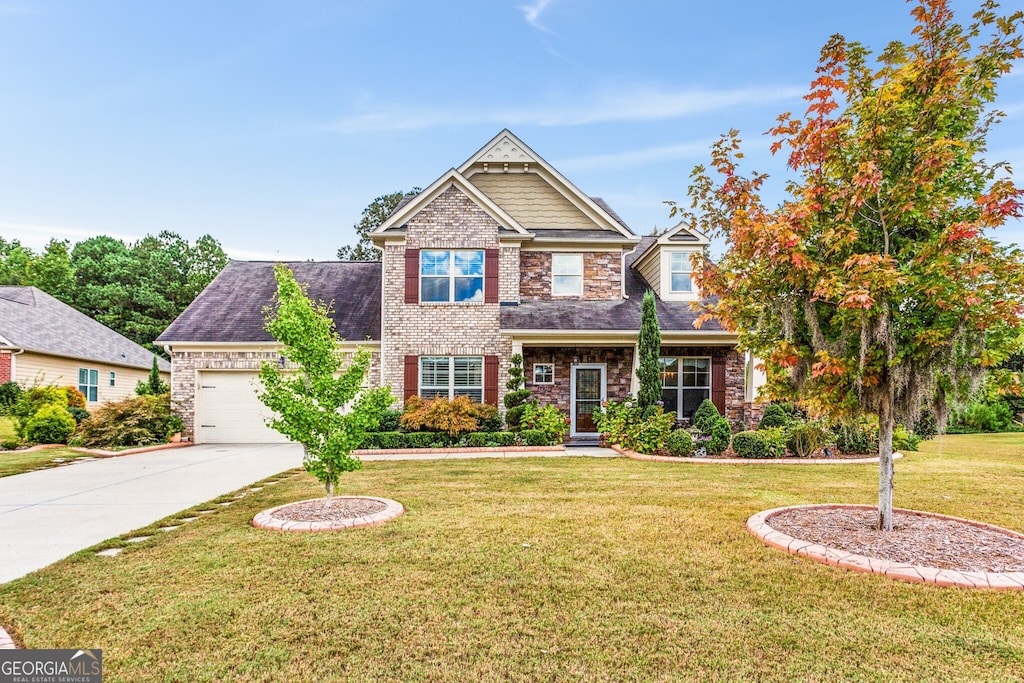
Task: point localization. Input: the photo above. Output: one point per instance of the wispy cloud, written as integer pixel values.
(635, 157)
(532, 14)
(608, 106)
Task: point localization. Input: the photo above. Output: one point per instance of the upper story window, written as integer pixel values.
(567, 274)
(680, 272)
(451, 275)
(88, 383)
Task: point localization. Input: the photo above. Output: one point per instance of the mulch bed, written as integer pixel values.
(915, 539)
(339, 510)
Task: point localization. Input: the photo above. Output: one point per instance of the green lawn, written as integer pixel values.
(542, 569)
(16, 462)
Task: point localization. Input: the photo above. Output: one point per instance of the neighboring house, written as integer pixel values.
(502, 255)
(43, 341)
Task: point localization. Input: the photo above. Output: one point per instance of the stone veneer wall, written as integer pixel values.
(735, 375)
(602, 275)
(618, 375)
(451, 221)
(186, 365)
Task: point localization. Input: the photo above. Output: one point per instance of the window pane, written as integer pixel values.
(543, 373)
(469, 263)
(92, 394)
(83, 376)
(696, 372)
(112, 378)
(434, 372)
(566, 285)
(434, 289)
(681, 282)
(681, 263)
(94, 377)
(469, 289)
(670, 397)
(567, 264)
(469, 372)
(434, 262)
(475, 394)
(669, 371)
(692, 398)
(434, 393)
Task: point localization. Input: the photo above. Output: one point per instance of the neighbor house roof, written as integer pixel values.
(573, 314)
(32, 320)
(231, 308)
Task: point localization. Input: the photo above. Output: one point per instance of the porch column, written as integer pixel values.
(634, 381)
(517, 347)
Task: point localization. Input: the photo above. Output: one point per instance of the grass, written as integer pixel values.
(18, 462)
(541, 569)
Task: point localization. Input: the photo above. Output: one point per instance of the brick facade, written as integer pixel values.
(5, 367)
(602, 275)
(450, 221)
(618, 363)
(186, 366)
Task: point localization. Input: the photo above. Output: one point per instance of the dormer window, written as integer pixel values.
(566, 274)
(451, 275)
(681, 271)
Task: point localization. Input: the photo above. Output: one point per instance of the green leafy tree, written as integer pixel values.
(15, 263)
(154, 384)
(874, 288)
(649, 349)
(373, 216)
(318, 402)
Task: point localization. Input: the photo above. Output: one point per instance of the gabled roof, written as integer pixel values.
(407, 209)
(231, 308)
(681, 235)
(32, 320)
(506, 148)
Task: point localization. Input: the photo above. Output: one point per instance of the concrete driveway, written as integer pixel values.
(49, 514)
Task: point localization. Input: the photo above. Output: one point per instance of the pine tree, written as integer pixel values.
(649, 348)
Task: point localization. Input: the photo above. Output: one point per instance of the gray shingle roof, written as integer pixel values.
(604, 315)
(33, 320)
(230, 309)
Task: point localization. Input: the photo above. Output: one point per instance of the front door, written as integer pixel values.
(588, 391)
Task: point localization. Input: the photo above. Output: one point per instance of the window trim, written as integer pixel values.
(454, 277)
(547, 382)
(450, 386)
(679, 386)
(673, 271)
(91, 386)
(579, 259)
(666, 271)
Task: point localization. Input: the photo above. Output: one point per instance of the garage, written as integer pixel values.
(227, 410)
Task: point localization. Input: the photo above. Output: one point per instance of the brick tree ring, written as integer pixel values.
(923, 547)
(345, 512)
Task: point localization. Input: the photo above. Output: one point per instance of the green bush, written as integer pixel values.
(80, 414)
(721, 435)
(626, 425)
(752, 444)
(533, 437)
(9, 445)
(547, 419)
(490, 439)
(516, 397)
(775, 415)
(860, 436)
(460, 415)
(705, 417)
(775, 438)
(390, 421)
(905, 440)
(9, 393)
(983, 417)
(494, 423)
(427, 440)
(30, 401)
(137, 421)
(679, 443)
(804, 439)
(52, 423)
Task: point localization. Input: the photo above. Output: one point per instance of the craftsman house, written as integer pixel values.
(501, 255)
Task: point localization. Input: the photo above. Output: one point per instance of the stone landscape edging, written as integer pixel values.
(750, 461)
(759, 526)
(482, 449)
(266, 519)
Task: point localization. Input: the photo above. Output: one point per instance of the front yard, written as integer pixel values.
(541, 569)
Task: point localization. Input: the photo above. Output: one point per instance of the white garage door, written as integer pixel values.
(227, 410)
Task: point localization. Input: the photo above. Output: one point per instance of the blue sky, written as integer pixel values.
(271, 124)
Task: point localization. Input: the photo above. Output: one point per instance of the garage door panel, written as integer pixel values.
(228, 410)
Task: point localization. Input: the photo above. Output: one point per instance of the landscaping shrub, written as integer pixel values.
(752, 444)
(705, 417)
(80, 414)
(983, 417)
(905, 440)
(679, 443)
(9, 445)
(76, 399)
(775, 438)
(137, 421)
(491, 424)
(547, 419)
(855, 437)
(427, 440)
(626, 425)
(490, 439)
(52, 423)
(533, 437)
(30, 401)
(774, 416)
(721, 435)
(9, 393)
(390, 421)
(384, 440)
(804, 439)
(517, 397)
(457, 416)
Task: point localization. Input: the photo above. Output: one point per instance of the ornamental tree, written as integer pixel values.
(316, 394)
(874, 288)
(648, 347)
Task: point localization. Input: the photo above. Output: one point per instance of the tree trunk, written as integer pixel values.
(330, 486)
(885, 466)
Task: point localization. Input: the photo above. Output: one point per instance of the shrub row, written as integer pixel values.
(396, 440)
